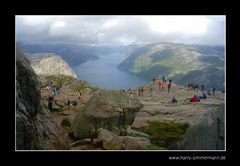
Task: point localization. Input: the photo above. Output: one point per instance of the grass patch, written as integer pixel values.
(63, 79)
(165, 133)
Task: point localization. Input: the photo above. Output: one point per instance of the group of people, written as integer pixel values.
(195, 87)
(213, 91)
(162, 82)
(56, 90)
(197, 98)
(194, 99)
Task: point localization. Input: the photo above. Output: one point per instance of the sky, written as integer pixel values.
(121, 30)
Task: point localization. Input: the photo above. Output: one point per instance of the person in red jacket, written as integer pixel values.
(194, 99)
(159, 84)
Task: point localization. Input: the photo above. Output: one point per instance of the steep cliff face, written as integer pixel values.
(35, 127)
(50, 64)
(208, 133)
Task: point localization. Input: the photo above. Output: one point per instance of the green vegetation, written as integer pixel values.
(42, 144)
(57, 79)
(165, 133)
(158, 56)
(178, 62)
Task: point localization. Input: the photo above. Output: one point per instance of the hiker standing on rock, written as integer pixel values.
(139, 90)
(50, 102)
(54, 90)
(130, 91)
(170, 81)
(153, 80)
(142, 89)
(202, 88)
(213, 90)
(196, 87)
(208, 93)
(163, 79)
(169, 87)
(151, 90)
(68, 101)
(159, 84)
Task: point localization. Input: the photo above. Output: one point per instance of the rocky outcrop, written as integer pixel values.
(206, 119)
(111, 110)
(50, 64)
(111, 141)
(208, 133)
(35, 127)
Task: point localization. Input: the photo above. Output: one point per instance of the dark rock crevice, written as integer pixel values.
(35, 127)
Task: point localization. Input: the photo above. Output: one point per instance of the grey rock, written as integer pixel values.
(207, 133)
(35, 127)
(111, 141)
(111, 110)
(50, 64)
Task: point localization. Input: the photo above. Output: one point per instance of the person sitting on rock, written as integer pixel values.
(213, 90)
(202, 97)
(173, 100)
(130, 91)
(79, 95)
(209, 93)
(74, 103)
(153, 80)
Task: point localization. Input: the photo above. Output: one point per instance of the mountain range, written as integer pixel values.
(182, 63)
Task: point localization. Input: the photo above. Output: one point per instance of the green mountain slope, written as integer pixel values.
(182, 63)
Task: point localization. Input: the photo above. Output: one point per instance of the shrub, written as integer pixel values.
(166, 133)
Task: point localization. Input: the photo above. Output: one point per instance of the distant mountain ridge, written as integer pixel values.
(72, 54)
(182, 63)
(50, 64)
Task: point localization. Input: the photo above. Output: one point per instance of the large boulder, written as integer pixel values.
(35, 127)
(111, 141)
(112, 110)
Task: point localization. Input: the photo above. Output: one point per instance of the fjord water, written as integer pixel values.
(104, 73)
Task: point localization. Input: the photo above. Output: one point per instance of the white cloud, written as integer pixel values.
(59, 24)
(208, 30)
(181, 24)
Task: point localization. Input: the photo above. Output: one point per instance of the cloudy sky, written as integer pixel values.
(205, 30)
